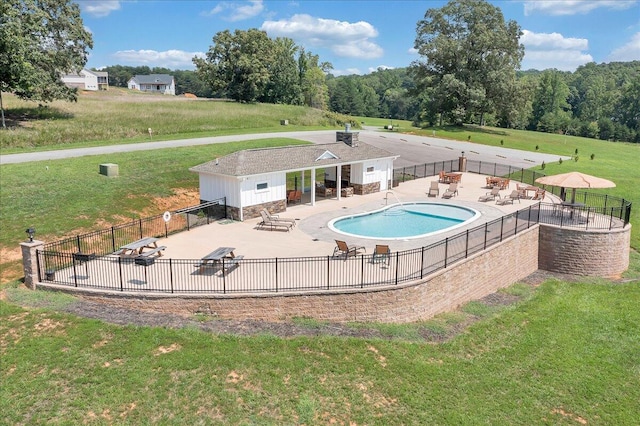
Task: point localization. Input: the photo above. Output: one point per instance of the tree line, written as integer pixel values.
(468, 71)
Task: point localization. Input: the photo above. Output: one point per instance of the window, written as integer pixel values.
(262, 186)
(370, 169)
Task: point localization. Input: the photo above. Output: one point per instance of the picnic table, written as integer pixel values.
(453, 177)
(220, 258)
(137, 248)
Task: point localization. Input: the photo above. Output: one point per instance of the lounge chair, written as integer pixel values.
(451, 190)
(515, 195)
(276, 218)
(267, 222)
(343, 249)
(381, 253)
(491, 195)
(434, 189)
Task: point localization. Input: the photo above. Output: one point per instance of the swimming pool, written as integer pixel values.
(404, 221)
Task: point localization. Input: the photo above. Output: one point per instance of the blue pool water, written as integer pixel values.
(404, 221)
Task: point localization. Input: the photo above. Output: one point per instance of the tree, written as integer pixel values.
(312, 79)
(284, 84)
(40, 40)
(238, 64)
(470, 57)
(551, 111)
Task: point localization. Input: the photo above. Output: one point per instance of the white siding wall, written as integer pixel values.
(382, 170)
(90, 80)
(213, 187)
(276, 189)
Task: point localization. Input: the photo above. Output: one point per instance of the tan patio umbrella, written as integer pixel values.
(575, 180)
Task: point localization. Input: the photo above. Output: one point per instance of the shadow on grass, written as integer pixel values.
(19, 117)
(469, 128)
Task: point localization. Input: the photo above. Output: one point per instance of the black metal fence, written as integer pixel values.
(86, 261)
(591, 210)
(105, 241)
(273, 275)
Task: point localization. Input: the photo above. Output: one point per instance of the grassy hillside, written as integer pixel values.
(124, 116)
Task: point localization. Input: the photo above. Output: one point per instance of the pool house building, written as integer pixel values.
(256, 179)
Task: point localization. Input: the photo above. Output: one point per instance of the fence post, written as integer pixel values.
(31, 251)
(466, 246)
(120, 271)
(446, 251)
(501, 227)
(328, 272)
(397, 265)
(75, 273)
(421, 262)
(140, 224)
(113, 239)
(171, 273)
(224, 278)
(362, 271)
(276, 274)
(486, 231)
(78, 243)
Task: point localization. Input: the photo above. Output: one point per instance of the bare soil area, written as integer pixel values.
(285, 329)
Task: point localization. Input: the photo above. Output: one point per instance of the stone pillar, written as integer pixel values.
(462, 163)
(30, 262)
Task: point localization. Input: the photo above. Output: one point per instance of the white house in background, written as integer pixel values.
(257, 178)
(154, 83)
(87, 80)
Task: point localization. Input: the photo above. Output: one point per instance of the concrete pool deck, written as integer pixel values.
(312, 237)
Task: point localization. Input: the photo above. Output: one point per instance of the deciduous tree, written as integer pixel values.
(469, 57)
(40, 40)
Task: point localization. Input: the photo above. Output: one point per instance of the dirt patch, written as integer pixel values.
(182, 197)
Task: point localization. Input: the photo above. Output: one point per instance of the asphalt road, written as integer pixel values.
(412, 149)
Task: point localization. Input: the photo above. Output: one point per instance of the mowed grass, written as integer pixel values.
(568, 354)
(124, 116)
(69, 196)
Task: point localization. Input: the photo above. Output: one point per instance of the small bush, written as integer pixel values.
(537, 147)
(560, 161)
(575, 158)
(501, 141)
(592, 156)
(542, 166)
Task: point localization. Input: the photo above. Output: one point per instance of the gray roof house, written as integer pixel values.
(154, 83)
(254, 179)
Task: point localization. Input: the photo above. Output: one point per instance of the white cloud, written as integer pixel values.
(153, 58)
(380, 67)
(100, 8)
(573, 7)
(237, 11)
(343, 38)
(553, 50)
(412, 51)
(627, 52)
(348, 71)
(552, 41)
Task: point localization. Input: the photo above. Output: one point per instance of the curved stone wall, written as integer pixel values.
(598, 253)
(470, 279)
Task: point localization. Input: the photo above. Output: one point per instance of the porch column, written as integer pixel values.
(338, 180)
(313, 187)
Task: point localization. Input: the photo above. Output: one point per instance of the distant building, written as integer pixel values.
(87, 80)
(154, 83)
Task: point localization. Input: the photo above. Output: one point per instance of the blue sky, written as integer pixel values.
(357, 37)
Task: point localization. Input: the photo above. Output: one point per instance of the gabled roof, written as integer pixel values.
(153, 79)
(290, 158)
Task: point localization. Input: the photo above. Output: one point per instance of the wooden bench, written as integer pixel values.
(154, 251)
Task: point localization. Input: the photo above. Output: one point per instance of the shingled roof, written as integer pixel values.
(153, 79)
(290, 158)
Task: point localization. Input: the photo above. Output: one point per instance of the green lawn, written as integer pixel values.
(120, 116)
(569, 353)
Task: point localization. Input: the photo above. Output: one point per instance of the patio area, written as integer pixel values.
(311, 235)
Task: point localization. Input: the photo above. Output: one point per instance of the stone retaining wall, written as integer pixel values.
(470, 279)
(598, 253)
